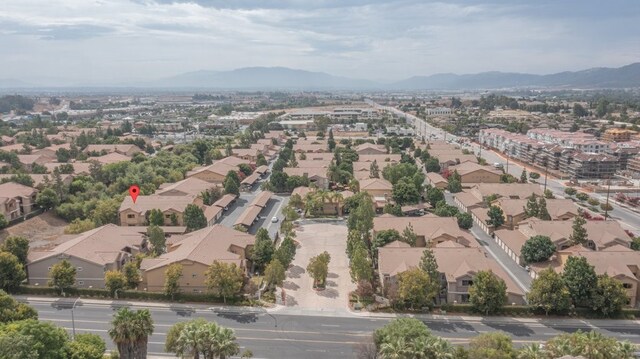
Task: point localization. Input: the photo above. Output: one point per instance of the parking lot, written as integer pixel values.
(313, 239)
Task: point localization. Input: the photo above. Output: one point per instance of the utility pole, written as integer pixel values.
(606, 206)
(546, 172)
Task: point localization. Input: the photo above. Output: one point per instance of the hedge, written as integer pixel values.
(130, 294)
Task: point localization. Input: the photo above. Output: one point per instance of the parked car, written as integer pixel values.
(274, 220)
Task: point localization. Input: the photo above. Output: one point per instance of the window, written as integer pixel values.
(49, 269)
(627, 285)
(131, 216)
(79, 269)
(194, 275)
(464, 298)
(467, 283)
(167, 216)
(80, 282)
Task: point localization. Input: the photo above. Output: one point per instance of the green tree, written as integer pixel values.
(523, 176)
(11, 310)
(549, 293)
(416, 288)
(157, 239)
(132, 275)
(318, 269)
(286, 252)
(537, 249)
(261, 161)
(400, 329)
(409, 236)
(194, 218)
(579, 110)
(532, 209)
(382, 238)
(263, 249)
(548, 194)
(635, 244)
(232, 176)
(496, 345)
(3, 221)
(360, 266)
(87, 346)
(543, 212)
(274, 273)
(17, 346)
(579, 235)
(429, 265)
(156, 218)
(609, 296)
(79, 226)
(588, 345)
(48, 341)
(570, 191)
(404, 192)
(114, 281)
(374, 170)
(47, 199)
(172, 280)
(393, 209)
(454, 186)
(18, 246)
(432, 165)
(580, 278)
(130, 331)
(224, 279)
(488, 293)
(465, 221)
(62, 275)
(230, 187)
(496, 217)
(434, 195)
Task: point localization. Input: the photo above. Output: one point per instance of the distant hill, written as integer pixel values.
(262, 78)
(13, 83)
(601, 77)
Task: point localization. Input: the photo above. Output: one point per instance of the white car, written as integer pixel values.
(274, 220)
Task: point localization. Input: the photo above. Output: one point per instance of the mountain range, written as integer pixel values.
(273, 78)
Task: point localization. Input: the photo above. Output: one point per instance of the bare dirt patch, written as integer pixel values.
(40, 230)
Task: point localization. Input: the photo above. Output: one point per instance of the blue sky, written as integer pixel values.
(124, 41)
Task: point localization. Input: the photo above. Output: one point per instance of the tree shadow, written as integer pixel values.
(288, 285)
(117, 305)
(331, 283)
(183, 310)
(332, 275)
(449, 327)
(290, 301)
(328, 293)
(295, 271)
(513, 328)
(65, 303)
(239, 317)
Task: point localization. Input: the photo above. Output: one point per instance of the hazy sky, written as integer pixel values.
(113, 41)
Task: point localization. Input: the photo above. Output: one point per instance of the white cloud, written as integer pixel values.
(119, 41)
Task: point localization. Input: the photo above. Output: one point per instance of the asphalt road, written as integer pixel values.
(314, 334)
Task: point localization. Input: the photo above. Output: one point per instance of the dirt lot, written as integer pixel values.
(40, 230)
(314, 239)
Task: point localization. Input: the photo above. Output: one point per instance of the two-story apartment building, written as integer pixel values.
(172, 208)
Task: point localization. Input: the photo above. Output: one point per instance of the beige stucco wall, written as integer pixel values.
(87, 274)
(480, 177)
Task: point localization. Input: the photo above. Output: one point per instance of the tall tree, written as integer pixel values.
(194, 218)
(62, 275)
(11, 310)
(18, 246)
(157, 239)
(409, 236)
(274, 273)
(609, 296)
(488, 293)
(416, 288)
(531, 210)
(224, 279)
(360, 266)
(543, 212)
(87, 346)
(429, 265)
(115, 281)
(580, 278)
(132, 274)
(263, 249)
(286, 252)
(130, 332)
(374, 170)
(549, 293)
(172, 280)
(156, 218)
(523, 176)
(579, 235)
(496, 345)
(496, 217)
(537, 249)
(318, 269)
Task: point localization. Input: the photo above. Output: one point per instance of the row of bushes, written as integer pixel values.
(131, 294)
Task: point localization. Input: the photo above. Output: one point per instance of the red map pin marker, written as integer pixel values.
(134, 191)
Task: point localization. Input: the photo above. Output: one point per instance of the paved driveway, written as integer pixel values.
(315, 238)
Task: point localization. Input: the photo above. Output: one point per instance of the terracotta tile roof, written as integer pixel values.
(204, 246)
(470, 167)
(262, 199)
(248, 216)
(188, 186)
(379, 158)
(429, 226)
(12, 189)
(602, 233)
(225, 200)
(163, 203)
(113, 157)
(320, 172)
(375, 184)
(101, 245)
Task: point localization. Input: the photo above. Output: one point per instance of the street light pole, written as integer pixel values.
(606, 206)
(546, 171)
(73, 320)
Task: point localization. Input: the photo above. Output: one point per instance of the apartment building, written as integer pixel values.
(430, 230)
(618, 135)
(172, 208)
(16, 200)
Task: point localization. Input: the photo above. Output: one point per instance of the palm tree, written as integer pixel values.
(333, 173)
(533, 351)
(225, 344)
(335, 198)
(394, 350)
(625, 350)
(189, 342)
(130, 332)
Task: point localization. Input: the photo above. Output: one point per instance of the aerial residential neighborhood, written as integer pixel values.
(363, 179)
